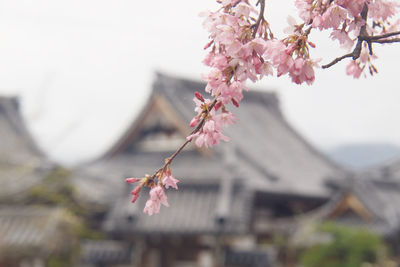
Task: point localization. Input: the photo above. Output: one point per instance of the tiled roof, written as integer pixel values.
(193, 209)
(29, 230)
(250, 258)
(390, 170)
(383, 200)
(100, 252)
(265, 154)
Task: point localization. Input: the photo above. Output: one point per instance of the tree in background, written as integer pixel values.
(348, 247)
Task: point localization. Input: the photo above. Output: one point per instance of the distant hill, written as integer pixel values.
(363, 155)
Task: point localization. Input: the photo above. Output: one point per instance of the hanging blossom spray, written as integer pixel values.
(242, 47)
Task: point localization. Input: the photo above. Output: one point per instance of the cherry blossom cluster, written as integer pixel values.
(344, 17)
(157, 193)
(236, 54)
(356, 67)
(351, 21)
(291, 55)
(242, 47)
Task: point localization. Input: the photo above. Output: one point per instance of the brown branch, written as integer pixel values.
(260, 17)
(211, 106)
(360, 39)
(387, 41)
(369, 39)
(365, 37)
(336, 60)
(197, 129)
(386, 35)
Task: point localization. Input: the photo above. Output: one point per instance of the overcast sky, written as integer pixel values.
(84, 68)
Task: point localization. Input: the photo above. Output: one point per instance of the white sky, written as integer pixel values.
(84, 68)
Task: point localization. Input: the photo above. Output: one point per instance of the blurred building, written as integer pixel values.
(22, 164)
(30, 235)
(231, 201)
(35, 236)
(234, 205)
(368, 199)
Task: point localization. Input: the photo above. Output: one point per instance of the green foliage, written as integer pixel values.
(62, 260)
(348, 247)
(56, 190)
(58, 262)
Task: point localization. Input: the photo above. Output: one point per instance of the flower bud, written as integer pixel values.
(199, 96)
(194, 122)
(132, 180)
(235, 102)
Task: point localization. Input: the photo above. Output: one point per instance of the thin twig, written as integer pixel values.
(213, 103)
(197, 129)
(386, 35)
(336, 60)
(260, 17)
(387, 41)
(361, 38)
(369, 39)
(365, 37)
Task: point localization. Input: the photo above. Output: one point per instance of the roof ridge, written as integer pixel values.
(10, 108)
(164, 81)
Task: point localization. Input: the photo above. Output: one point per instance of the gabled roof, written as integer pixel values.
(16, 143)
(21, 162)
(265, 154)
(365, 202)
(262, 140)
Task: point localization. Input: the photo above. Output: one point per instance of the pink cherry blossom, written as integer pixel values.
(284, 63)
(157, 197)
(169, 180)
(318, 21)
(209, 135)
(353, 69)
(225, 118)
(194, 121)
(242, 9)
(334, 16)
(304, 7)
(302, 71)
(151, 207)
(157, 194)
(242, 47)
(381, 9)
(233, 91)
(343, 38)
(274, 49)
(135, 193)
(132, 180)
(354, 6)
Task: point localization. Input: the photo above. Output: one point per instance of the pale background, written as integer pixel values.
(84, 68)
